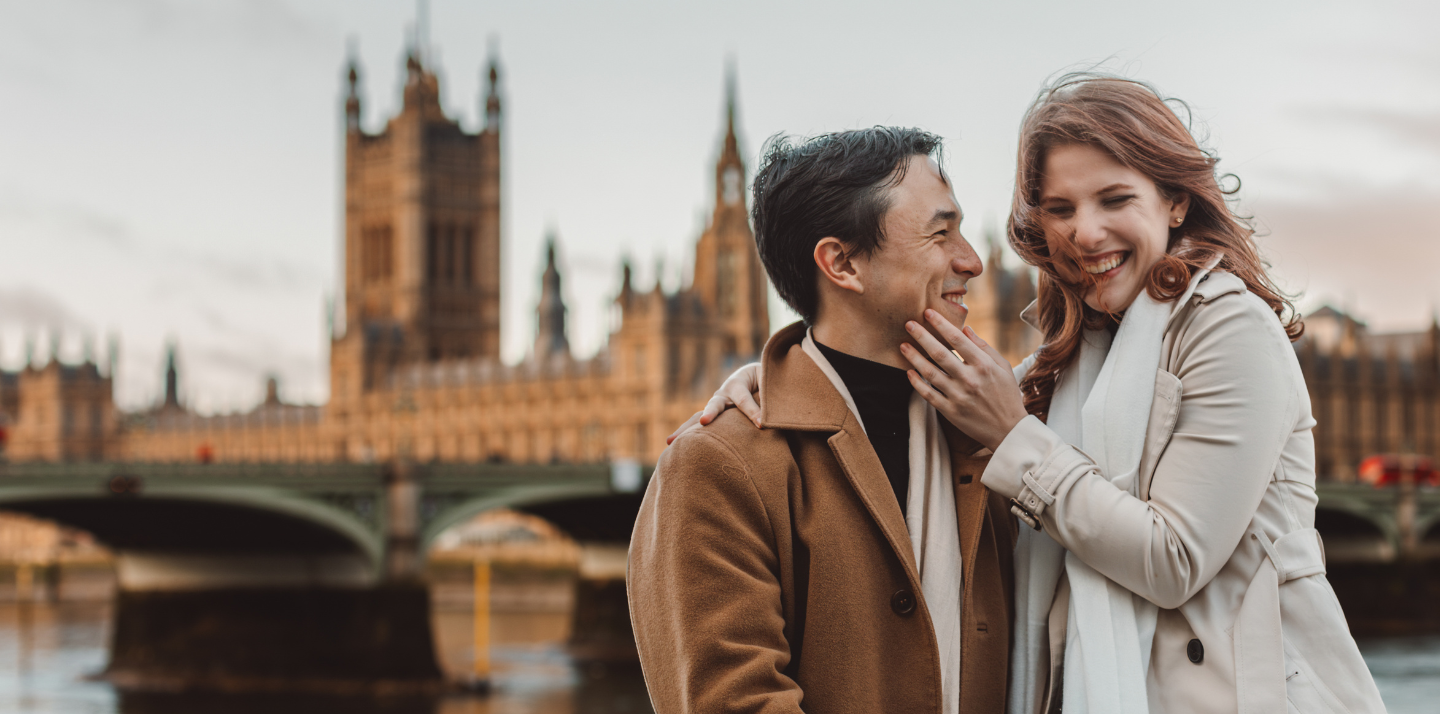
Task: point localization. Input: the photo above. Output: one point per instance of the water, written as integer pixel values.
(48, 651)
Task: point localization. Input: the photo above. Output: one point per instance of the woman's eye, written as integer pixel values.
(1061, 211)
(1115, 201)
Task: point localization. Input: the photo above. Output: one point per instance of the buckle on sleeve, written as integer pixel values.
(1025, 515)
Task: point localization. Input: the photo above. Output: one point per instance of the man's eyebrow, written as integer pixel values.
(944, 215)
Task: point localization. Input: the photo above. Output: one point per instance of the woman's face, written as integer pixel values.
(1116, 216)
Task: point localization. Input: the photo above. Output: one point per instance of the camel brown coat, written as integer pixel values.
(771, 570)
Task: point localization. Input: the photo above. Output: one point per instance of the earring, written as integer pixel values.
(1179, 220)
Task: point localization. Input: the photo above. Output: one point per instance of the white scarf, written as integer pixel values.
(1102, 405)
(933, 524)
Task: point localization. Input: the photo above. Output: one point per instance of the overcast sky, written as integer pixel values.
(171, 169)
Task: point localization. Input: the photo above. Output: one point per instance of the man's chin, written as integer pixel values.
(956, 314)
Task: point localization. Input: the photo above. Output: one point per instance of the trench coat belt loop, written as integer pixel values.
(1259, 643)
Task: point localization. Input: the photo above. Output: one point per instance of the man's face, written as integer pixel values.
(923, 261)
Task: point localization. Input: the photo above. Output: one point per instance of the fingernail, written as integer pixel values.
(911, 326)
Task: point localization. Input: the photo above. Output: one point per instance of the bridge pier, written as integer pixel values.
(600, 627)
(332, 640)
(293, 617)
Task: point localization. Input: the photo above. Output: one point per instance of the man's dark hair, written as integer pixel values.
(829, 185)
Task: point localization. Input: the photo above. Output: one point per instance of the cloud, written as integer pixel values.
(1377, 251)
(78, 224)
(33, 309)
(68, 222)
(1414, 130)
(247, 273)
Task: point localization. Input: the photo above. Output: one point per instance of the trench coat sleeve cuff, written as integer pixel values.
(1024, 469)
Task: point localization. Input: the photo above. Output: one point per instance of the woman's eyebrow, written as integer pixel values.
(1116, 187)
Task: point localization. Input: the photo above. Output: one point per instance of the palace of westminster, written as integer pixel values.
(415, 369)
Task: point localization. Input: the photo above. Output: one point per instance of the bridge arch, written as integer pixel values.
(1353, 532)
(209, 520)
(438, 515)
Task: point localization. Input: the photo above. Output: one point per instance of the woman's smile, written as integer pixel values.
(1107, 265)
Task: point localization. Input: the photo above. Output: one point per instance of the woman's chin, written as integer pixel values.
(1111, 300)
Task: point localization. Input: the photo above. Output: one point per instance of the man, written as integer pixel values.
(845, 557)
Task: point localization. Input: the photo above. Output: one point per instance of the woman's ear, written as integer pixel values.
(1179, 207)
(838, 265)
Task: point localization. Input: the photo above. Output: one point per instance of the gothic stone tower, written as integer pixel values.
(729, 278)
(422, 236)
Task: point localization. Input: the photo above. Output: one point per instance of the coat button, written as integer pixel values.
(1195, 651)
(902, 602)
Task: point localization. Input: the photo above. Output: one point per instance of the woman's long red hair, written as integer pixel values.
(1130, 121)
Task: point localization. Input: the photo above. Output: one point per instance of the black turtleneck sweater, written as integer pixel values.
(882, 395)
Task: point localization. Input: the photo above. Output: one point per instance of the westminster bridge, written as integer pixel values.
(238, 576)
(270, 575)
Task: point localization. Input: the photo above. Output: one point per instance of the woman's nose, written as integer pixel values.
(1089, 230)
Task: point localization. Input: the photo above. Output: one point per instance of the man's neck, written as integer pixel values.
(856, 339)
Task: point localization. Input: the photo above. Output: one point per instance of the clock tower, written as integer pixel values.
(729, 279)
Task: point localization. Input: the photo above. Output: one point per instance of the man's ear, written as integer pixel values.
(838, 265)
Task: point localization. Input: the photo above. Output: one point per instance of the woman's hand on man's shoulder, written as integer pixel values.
(740, 390)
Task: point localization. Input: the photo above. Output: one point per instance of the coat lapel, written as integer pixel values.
(796, 395)
(970, 496)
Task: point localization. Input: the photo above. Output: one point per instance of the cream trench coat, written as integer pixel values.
(1227, 477)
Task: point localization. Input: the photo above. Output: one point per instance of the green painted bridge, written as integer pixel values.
(373, 510)
(236, 576)
(389, 514)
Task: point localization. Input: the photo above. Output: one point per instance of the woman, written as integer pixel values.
(1159, 444)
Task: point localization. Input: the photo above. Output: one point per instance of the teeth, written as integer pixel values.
(956, 299)
(1107, 264)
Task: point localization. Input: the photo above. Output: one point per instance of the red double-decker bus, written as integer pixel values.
(1386, 469)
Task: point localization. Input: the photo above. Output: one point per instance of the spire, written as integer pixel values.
(352, 95)
(550, 336)
(54, 346)
(997, 251)
(730, 143)
(172, 378)
(114, 355)
(29, 350)
(492, 93)
(730, 170)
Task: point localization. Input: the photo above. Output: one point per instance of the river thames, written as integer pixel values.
(49, 654)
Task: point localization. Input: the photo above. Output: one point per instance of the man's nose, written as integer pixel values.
(966, 260)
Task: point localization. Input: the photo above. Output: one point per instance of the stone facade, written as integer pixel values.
(61, 413)
(415, 368)
(996, 299)
(1371, 393)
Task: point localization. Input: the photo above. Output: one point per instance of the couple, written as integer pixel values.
(1122, 524)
